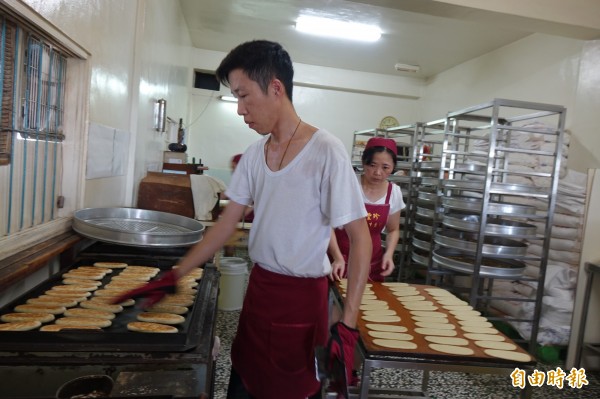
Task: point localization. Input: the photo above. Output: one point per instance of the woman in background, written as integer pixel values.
(383, 201)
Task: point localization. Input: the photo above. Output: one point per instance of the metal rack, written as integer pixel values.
(481, 228)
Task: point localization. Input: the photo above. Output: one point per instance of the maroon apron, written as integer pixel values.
(377, 216)
(282, 320)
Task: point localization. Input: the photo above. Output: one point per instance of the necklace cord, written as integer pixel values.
(286, 147)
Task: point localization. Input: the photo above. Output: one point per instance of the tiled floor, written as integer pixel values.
(442, 385)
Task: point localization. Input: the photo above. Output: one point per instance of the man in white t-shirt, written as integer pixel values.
(301, 183)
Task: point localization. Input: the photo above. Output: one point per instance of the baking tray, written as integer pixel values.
(495, 208)
(427, 196)
(490, 267)
(495, 246)
(137, 227)
(493, 227)
(116, 337)
(497, 188)
(422, 241)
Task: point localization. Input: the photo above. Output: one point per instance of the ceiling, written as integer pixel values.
(432, 34)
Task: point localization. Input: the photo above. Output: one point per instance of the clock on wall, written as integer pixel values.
(387, 122)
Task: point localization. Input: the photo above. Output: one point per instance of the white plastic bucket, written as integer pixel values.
(232, 284)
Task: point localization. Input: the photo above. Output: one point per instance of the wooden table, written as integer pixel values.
(423, 357)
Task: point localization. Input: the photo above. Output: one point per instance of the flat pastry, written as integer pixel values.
(394, 344)
(20, 325)
(145, 327)
(38, 308)
(83, 321)
(111, 265)
(99, 305)
(58, 327)
(94, 313)
(21, 316)
(163, 318)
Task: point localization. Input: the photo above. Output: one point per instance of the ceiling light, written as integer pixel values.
(334, 28)
(407, 68)
(228, 98)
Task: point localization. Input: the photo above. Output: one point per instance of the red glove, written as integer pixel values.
(341, 346)
(154, 291)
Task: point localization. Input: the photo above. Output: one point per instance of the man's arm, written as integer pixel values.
(359, 262)
(213, 239)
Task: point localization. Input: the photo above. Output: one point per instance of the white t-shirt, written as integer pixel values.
(296, 207)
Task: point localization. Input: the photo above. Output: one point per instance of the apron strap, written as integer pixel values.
(389, 193)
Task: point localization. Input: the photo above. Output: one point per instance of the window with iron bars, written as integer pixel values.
(32, 78)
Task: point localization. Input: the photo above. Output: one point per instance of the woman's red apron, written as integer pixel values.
(377, 216)
(283, 319)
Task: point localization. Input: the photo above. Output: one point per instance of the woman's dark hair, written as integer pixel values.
(367, 155)
(262, 61)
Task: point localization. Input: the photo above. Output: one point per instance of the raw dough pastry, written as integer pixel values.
(441, 325)
(391, 335)
(386, 327)
(465, 312)
(395, 284)
(411, 298)
(428, 313)
(457, 307)
(429, 319)
(382, 319)
(368, 297)
(380, 312)
(439, 291)
(466, 316)
(452, 349)
(374, 306)
(479, 330)
(390, 343)
(496, 345)
(420, 305)
(432, 331)
(373, 302)
(447, 340)
(475, 323)
(484, 337)
(405, 293)
(508, 355)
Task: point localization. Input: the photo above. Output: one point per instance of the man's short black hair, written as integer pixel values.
(261, 60)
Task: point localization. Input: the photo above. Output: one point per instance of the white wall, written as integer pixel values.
(139, 52)
(538, 68)
(329, 98)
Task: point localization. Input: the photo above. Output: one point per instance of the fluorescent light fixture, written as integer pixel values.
(230, 99)
(407, 68)
(335, 28)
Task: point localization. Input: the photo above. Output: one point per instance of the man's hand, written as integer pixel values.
(341, 346)
(153, 292)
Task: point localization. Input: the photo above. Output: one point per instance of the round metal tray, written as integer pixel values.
(137, 227)
(425, 212)
(423, 228)
(497, 246)
(494, 208)
(427, 196)
(464, 263)
(422, 241)
(421, 259)
(493, 227)
(497, 188)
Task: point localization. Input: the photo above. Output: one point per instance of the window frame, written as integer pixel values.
(74, 125)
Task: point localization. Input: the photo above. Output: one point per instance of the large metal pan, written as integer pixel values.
(490, 267)
(497, 246)
(493, 227)
(494, 208)
(137, 227)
